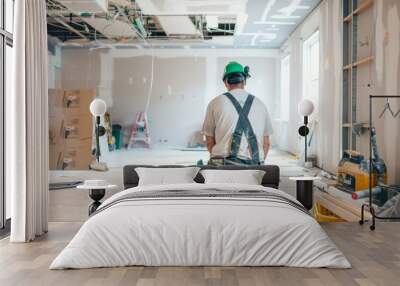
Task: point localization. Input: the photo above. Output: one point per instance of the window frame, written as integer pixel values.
(6, 39)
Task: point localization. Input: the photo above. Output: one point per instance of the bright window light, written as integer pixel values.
(9, 14)
(285, 88)
(311, 69)
(6, 66)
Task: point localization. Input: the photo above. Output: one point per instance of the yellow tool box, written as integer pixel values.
(353, 172)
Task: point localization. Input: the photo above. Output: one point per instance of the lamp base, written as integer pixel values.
(98, 166)
(308, 165)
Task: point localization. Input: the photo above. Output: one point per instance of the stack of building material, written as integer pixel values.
(70, 129)
(327, 195)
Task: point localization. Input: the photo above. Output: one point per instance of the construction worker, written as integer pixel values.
(237, 124)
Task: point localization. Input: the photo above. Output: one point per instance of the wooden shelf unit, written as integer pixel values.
(350, 125)
(363, 61)
(363, 6)
(352, 9)
(348, 18)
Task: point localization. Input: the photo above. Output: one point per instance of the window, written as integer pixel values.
(9, 15)
(6, 65)
(311, 69)
(285, 88)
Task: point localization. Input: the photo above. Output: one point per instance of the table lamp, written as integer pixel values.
(305, 109)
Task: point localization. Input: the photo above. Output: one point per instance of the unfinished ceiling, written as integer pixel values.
(160, 23)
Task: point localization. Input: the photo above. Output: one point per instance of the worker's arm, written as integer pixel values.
(266, 146)
(210, 143)
(209, 127)
(267, 133)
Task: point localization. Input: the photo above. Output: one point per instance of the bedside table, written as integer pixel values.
(97, 190)
(304, 190)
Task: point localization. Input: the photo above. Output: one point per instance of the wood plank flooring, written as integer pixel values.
(375, 257)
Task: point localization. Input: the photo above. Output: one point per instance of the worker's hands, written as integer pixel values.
(210, 143)
(266, 146)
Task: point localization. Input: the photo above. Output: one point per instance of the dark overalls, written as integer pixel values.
(243, 127)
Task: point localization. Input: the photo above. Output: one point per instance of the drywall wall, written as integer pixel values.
(379, 35)
(185, 80)
(177, 98)
(54, 71)
(81, 69)
(386, 80)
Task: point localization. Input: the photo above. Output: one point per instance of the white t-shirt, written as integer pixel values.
(221, 119)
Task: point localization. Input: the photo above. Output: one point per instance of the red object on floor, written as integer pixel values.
(140, 131)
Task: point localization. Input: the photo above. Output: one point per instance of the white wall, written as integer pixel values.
(185, 81)
(54, 79)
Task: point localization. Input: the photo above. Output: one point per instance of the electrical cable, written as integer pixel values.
(151, 80)
(150, 92)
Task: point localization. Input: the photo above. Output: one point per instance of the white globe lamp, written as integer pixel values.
(98, 107)
(305, 109)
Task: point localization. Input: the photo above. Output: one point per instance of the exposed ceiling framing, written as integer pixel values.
(212, 23)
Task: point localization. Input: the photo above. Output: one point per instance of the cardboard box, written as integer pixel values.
(78, 154)
(77, 102)
(56, 130)
(56, 153)
(82, 144)
(70, 129)
(78, 158)
(55, 101)
(52, 160)
(78, 127)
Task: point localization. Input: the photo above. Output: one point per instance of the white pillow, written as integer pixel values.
(166, 176)
(248, 177)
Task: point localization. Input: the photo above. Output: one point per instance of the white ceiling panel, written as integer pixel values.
(123, 3)
(192, 7)
(111, 29)
(177, 25)
(92, 6)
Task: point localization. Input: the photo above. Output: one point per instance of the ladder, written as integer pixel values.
(140, 131)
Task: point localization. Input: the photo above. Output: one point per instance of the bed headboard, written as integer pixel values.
(270, 179)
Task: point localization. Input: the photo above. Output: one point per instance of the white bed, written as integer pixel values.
(202, 231)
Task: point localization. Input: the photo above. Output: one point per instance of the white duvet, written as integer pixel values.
(219, 232)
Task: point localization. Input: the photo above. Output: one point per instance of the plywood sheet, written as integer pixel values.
(92, 6)
(177, 25)
(112, 28)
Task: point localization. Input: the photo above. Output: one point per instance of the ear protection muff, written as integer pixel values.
(246, 71)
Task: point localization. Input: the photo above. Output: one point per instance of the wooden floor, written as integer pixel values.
(375, 257)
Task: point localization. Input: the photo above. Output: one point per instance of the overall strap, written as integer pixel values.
(244, 126)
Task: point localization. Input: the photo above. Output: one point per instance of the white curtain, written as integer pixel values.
(27, 124)
(329, 125)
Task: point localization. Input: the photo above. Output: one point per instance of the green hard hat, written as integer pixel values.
(235, 68)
